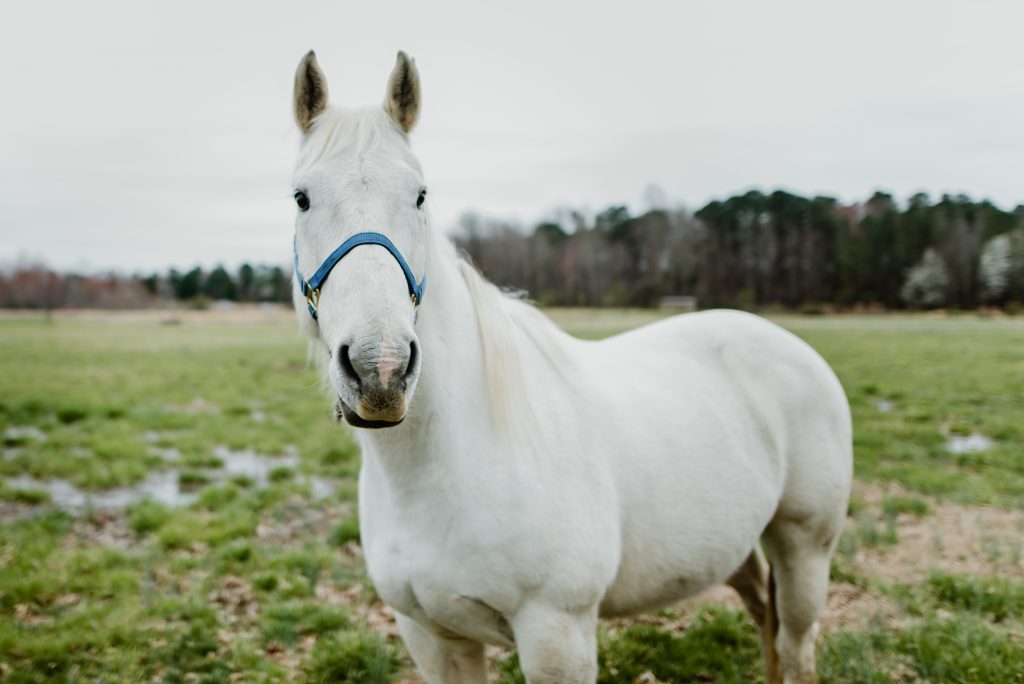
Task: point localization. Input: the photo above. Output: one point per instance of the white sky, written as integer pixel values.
(138, 135)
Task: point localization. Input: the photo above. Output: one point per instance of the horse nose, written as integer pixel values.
(388, 367)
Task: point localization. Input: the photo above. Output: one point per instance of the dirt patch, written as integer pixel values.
(105, 529)
(378, 616)
(854, 608)
(969, 540)
(296, 522)
(234, 596)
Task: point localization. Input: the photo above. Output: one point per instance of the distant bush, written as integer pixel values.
(1001, 268)
(927, 283)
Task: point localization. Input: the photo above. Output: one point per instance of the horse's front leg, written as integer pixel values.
(556, 646)
(443, 661)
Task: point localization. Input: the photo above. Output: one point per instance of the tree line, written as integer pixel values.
(761, 250)
(35, 286)
(751, 250)
(249, 283)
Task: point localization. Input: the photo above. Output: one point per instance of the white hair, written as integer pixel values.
(509, 328)
(341, 129)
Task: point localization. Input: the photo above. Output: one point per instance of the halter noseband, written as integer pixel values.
(311, 288)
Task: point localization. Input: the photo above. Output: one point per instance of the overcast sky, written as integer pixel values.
(138, 135)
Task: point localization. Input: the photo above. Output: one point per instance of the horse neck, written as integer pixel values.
(451, 399)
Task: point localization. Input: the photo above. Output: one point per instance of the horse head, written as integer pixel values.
(361, 241)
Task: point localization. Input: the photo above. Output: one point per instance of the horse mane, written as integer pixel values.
(510, 327)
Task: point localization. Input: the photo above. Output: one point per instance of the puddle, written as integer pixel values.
(195, 407)
(161, 486)
(165, 487)
(252, 464)
(22, 433)
(321, 487)
(969, 444)
(884, 406)
(169, 454)
(258, 467)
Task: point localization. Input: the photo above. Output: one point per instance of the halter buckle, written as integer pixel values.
(415, 300)
(312, 297)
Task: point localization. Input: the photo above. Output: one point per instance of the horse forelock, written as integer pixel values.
(339, 130)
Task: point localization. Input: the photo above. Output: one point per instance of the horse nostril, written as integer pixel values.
(410, 367)
(347, 368)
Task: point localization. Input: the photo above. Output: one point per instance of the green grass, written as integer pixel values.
(718, 645)
(894, 506)
(25, 496)
(961, 374)
(345, 531)
(962, 648)
(359, 658)
(285, 622)
(996, 597)
(242, 584)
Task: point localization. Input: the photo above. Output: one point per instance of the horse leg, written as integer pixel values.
(440, 660)
(751, 582)
(800, 553)
(770, 633)
(754, 585)
(556, 646)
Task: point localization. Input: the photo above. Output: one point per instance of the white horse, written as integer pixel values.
(538, 482)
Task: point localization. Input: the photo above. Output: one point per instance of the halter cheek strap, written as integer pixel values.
(311, 288)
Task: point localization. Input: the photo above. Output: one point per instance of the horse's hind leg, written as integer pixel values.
(800, 553)
(752, 582)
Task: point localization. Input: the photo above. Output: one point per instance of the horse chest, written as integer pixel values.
(451, 595)
(466, 568)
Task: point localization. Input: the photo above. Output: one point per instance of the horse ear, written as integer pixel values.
(402, 101)
(310, 92)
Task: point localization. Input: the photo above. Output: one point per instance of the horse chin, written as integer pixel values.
(342, 410)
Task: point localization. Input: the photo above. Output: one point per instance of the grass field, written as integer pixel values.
(176, 504)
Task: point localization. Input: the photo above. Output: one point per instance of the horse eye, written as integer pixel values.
(421, 198)
(301, 200)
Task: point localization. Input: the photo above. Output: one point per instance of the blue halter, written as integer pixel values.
(311, 288)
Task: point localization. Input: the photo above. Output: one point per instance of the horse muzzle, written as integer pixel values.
(376, 384)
